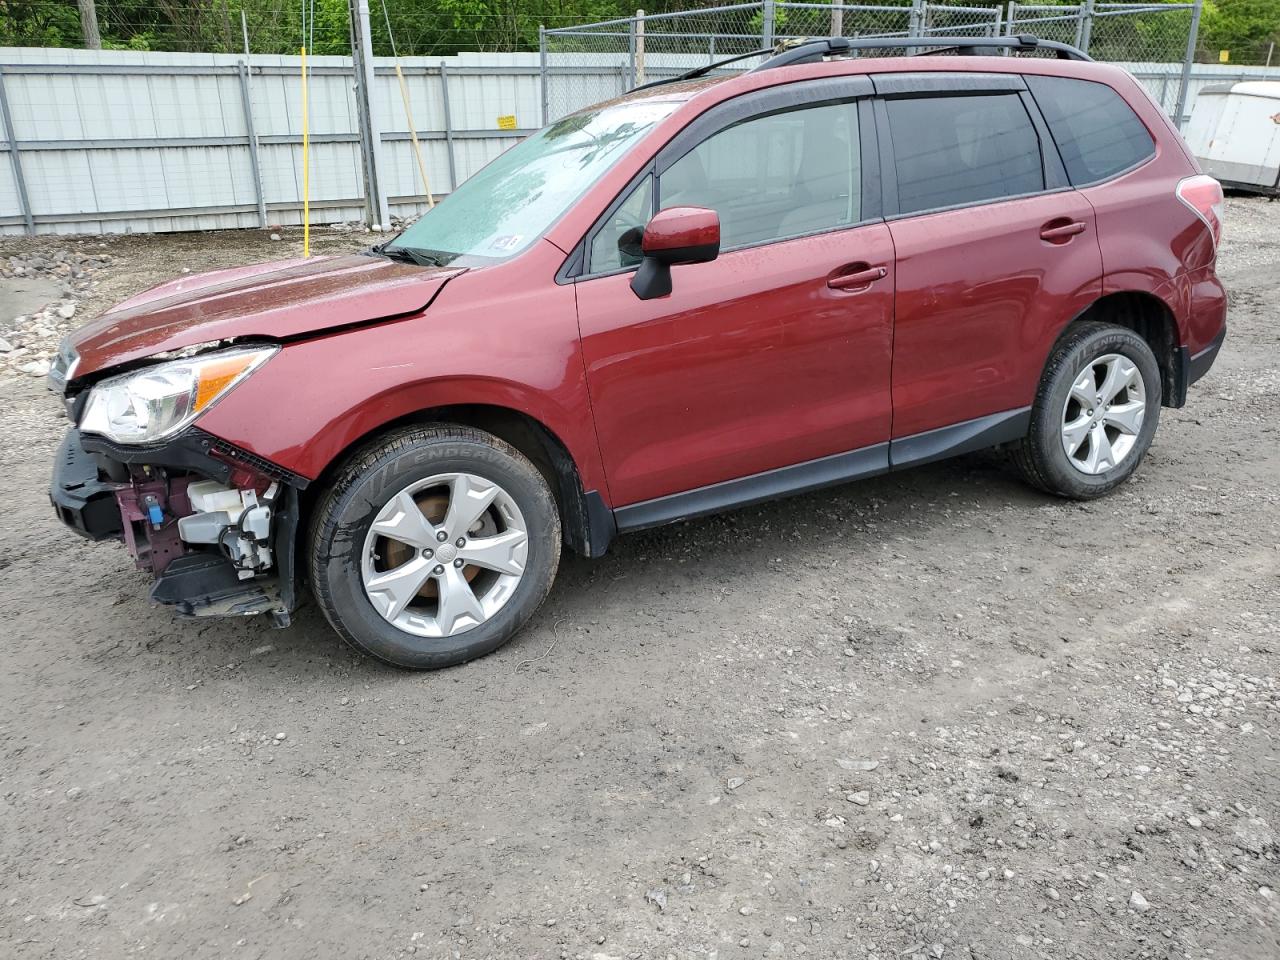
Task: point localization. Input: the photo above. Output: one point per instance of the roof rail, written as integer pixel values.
(813, 51)
(704, 69)
(791, 52)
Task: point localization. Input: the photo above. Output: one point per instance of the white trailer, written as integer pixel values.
(1235, 134)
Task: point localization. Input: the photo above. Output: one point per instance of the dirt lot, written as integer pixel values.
(931, 715)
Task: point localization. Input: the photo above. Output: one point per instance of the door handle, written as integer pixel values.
(859, 278)
(1063, 231)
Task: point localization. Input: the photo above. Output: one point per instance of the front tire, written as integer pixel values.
(434, 546)
(1096, 411)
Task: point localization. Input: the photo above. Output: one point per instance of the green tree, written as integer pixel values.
(1244, 27)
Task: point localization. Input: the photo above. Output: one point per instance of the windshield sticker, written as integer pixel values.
(508, 242)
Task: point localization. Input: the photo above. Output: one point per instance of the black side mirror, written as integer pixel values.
(676, 235)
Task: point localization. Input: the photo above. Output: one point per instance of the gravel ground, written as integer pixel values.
(932, 715)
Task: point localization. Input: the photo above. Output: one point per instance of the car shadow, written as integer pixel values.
(849, 518)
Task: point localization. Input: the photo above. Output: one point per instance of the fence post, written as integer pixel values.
(1012, 20)
(766, 24)
(631, 53)
(542, 70)
(254, 168)
(837, 18)
(18, 179)
(915, 25)
(639, 71)
(370, 135)
(1084, 26)
(1192, 37)
(448, 126)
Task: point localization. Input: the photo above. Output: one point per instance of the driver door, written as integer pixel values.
(768, 357)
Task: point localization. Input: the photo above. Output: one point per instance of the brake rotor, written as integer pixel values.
(434, 506)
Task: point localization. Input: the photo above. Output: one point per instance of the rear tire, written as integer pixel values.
(1095, 413)
(434, 546)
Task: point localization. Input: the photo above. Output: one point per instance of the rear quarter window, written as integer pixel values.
(1097, 133)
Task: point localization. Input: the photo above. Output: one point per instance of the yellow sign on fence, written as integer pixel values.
(507, 122)
(1224, 56)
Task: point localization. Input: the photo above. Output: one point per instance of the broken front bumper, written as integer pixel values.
(139, 496)
(82, 500)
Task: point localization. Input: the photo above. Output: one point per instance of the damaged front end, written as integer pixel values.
(214, 524)
(213, 527)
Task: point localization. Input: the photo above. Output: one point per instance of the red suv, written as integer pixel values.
(704, 294)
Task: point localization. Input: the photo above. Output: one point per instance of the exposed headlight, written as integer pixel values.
(156, 402)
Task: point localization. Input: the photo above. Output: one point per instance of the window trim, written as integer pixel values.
(893, 86)
(784, 98)
(589, 240)
(1052, 169)
(1155, 140)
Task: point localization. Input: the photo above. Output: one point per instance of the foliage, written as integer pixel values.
(1244, 27)
(440, 27)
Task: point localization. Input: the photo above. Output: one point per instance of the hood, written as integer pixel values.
(274, 301)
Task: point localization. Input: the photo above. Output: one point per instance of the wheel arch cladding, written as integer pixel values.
(1151, 318)
(586, 524)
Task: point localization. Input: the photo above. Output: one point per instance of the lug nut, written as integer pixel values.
(458, 564)
(442, 536)
(427, 552)
(438, 570)
(462, 542)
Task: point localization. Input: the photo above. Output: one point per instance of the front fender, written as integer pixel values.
(316, 398)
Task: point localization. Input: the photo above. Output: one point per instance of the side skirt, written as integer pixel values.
(922, 448)
(828, 471)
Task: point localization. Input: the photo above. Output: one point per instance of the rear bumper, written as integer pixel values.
(1191, 367)
(1199, 364)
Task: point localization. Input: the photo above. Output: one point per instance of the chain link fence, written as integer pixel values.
(589, 63)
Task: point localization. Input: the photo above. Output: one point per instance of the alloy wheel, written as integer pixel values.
(1103, 415)
(445, 554)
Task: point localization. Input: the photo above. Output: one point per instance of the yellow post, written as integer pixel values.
(306, 169)
(413, 135)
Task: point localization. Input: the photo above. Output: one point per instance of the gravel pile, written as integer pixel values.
(28, 341)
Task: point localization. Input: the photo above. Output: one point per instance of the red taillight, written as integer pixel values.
(1203, 196)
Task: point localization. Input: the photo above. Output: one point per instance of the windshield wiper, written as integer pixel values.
(408, 255)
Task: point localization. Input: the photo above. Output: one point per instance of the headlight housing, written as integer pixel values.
(156, 402)
(63, 368)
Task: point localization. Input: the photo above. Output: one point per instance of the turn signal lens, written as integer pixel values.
(156, 402)
(1203, 196)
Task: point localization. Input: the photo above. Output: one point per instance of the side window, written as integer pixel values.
(617, 242)
(1097, 133)
(951, 150)
(775, 176)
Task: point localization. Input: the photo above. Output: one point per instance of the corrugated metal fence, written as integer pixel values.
(114, 141)
(1161, 79)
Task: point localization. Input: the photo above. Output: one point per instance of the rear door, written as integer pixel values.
(995, 254)
(774, 355)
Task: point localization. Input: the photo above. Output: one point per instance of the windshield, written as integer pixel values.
(512, 201)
